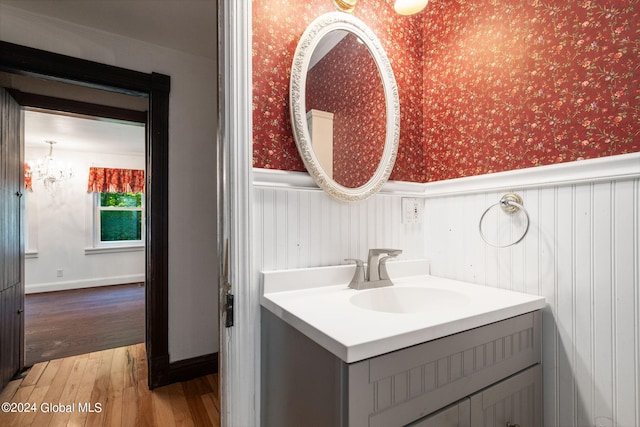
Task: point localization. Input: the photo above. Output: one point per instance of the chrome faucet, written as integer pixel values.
(376, 275)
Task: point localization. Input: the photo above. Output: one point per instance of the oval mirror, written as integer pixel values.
(344, 107)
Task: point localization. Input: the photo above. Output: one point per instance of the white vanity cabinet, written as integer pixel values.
(486, 376)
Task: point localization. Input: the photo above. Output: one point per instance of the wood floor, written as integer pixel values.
(67, 323)
(107, 388)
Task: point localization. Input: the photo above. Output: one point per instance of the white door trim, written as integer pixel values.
(239, 386)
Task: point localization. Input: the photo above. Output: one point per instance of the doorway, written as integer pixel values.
(24, 61)
(84, 250)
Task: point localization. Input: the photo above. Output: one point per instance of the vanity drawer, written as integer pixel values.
(403, 386)
(456, 415)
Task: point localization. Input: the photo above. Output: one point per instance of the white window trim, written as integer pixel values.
(115, 249)
(100, 247)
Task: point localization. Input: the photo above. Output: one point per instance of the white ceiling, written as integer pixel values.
(184, 25)
(83, 134)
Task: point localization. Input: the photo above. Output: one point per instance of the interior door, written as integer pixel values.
(11, 258)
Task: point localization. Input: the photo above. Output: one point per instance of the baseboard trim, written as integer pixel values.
(160, 367)
(83, 283)
(187, 369)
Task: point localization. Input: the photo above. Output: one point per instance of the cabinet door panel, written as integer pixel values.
(516, 400)
(401, 387)
(457, 415)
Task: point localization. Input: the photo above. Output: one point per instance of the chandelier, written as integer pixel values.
(50, 171)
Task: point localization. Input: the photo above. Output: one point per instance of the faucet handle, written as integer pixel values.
(359, 275)
(382, 267)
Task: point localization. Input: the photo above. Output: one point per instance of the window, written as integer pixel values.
(119, 219)
(118, 209)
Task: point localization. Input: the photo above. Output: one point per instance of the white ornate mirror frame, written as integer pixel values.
(304, 51)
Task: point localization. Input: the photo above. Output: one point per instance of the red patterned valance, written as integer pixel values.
(108, 180)
(28, 179)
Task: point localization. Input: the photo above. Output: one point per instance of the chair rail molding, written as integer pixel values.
(272, 178)
(611, 168)
(619, 167)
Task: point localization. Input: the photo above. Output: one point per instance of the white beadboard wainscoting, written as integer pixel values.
(581, 252)
(298, 228)
(297, 225)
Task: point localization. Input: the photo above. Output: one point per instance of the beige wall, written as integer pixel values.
(193, 320)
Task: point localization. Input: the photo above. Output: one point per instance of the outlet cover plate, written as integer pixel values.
(412, 209)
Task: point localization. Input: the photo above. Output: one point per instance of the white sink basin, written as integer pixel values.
(409, 300)
(357, 325)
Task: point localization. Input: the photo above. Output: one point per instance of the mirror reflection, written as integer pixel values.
(344, 97)
(346, 109)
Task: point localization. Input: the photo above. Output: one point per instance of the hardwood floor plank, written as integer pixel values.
(113, 413)
(45, 414)
(131, 367)
(23, 395)
(162, 412)
(129, 406)
(209, 401)
(118, 369)
(69, 393)
(215, 386)
(52, 319)
(50, 372)
(144, 395)
(116, 379)
(79, 418)
(37, 397)
(33, 376)
(100, 392)
(7, 393)
(179, 406)
(193, 390)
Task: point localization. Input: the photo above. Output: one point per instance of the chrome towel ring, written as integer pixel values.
(511, 204)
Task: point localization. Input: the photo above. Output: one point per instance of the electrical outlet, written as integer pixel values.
(59, 272)
(412, 210)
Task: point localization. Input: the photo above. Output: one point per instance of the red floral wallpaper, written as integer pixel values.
(347, 83)
(485, 85)
(510, 85)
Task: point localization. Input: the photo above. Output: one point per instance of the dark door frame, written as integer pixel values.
(23, 60)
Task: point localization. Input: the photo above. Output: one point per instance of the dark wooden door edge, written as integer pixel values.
(24, 60)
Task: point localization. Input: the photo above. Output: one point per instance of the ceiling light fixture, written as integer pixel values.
(49, 171)
(345, 5)
(409, 7)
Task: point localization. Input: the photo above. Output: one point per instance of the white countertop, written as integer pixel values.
(316, 301)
